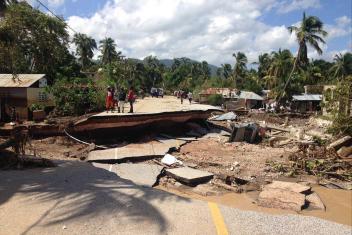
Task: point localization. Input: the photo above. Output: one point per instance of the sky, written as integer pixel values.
(210, 30)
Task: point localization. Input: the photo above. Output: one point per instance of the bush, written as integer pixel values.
(216, 100)
(77, 96)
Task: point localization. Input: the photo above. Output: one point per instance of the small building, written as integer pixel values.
(22, 91)
(227, 93)
(234, 98)
(306, 103)
(249, 99)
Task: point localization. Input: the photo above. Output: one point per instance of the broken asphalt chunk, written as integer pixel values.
(288, 186)
(132, 152)
(189, 175)
(141, 174)
(278, 198)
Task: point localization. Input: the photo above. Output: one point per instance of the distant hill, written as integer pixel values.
(168, 63)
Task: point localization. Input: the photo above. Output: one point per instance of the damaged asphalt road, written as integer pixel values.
(77, 198)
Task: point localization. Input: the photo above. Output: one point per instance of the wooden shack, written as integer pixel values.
(22, 91)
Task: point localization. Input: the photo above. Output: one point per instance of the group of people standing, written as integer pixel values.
(185, 95)
(118, 98)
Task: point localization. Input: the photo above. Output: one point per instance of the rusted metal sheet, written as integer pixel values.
(21, 80)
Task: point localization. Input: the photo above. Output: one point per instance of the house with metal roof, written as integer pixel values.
(21, 91)
(307, 102)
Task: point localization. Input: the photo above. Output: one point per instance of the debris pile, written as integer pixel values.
(315, 160)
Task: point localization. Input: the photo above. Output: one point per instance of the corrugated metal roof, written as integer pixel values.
(307, 97)
(24, 80)
(249, 96)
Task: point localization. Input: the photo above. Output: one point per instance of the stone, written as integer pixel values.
(131, 152)
(345, 141)
(281, 199)
(344, 151)
(288, 186)
(315, 201)
(189, 175)
(140, 174)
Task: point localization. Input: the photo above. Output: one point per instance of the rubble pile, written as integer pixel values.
(316, 160)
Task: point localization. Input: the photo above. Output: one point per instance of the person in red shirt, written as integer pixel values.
(109, 100)
(131, 98)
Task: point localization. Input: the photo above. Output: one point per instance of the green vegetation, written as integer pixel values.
(34, 42)
(215, 100)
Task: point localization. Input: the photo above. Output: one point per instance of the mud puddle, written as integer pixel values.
(338, 203)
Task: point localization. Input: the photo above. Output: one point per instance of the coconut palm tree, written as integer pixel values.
(227, 70)
(108, 51)
(240, 67)
(311, 32)
(342, 66)
(264, 61)
(85, 46)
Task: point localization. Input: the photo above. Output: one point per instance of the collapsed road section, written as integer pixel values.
(164, 116)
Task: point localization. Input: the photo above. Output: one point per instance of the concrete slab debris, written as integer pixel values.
(179, 138)
(224, 117)
(345, 141)
(288, 186)
(277, 198)
(170, 160)
(189, 176)
(141, 174)
(315, 201)
(130, 152)
(172, 143)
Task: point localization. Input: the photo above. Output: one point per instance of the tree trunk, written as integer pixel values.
(290, 76)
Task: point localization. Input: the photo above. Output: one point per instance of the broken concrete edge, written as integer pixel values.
(184, 175)
(134, 159)
(277, 198)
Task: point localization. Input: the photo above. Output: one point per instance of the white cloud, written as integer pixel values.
(342, 27)
(55, 3)
(209, 30)
(289, 5)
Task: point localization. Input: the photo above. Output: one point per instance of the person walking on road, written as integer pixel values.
(109, 100)
(122, 99)
(131, 98)
(190, 97)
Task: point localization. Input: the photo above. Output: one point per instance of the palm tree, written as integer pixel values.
(4, 4)
(310, 31)
(281, 63)
(264, 61)
(227, 70)
(108, 51)
(342, 66)
(240, 67)
(85, 46)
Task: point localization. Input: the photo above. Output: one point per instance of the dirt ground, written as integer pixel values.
(55, 148)
(243, 160)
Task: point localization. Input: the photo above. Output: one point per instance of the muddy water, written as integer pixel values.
(338, 203)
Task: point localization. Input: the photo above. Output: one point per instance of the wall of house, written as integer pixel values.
(13, 97)
(39, 96)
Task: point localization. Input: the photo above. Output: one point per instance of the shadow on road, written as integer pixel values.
(80, 190)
